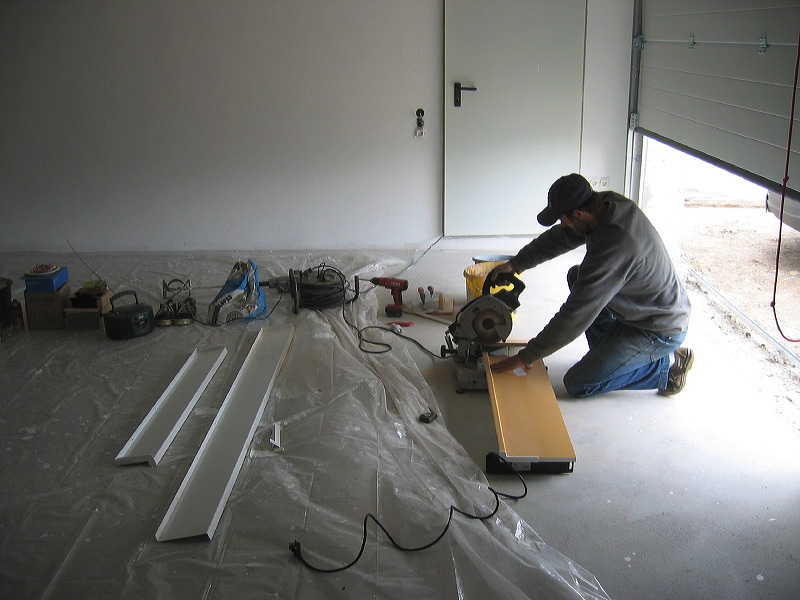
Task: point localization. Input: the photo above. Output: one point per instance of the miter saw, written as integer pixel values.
(483, 322)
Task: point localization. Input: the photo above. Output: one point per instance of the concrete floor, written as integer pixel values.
(694, 496)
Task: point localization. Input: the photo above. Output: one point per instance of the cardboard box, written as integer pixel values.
(46, 283)
(83, 318)
(45, 310)
(101, 303)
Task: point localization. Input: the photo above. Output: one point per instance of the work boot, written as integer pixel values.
(676, 378)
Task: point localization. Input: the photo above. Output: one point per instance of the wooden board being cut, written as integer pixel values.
(531, 433)
(199, 502)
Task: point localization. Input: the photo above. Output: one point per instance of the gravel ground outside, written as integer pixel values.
(722, 237)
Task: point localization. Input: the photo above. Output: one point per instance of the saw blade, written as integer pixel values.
(486, 326)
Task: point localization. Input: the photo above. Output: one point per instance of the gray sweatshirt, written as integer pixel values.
(626, 268)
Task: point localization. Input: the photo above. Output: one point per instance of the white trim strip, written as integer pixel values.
(199, 502)
(156, 432)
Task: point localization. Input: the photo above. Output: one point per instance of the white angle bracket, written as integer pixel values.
(200, 500)
(154, 435)
(275, 440)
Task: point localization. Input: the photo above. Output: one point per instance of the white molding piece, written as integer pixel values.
(275, 440)
(156, 432)
(200, 500)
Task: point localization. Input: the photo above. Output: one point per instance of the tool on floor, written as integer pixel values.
(483, 321)
(240, 296)
(428, 417)
(317, 288)
(396, 287)
(447, 306)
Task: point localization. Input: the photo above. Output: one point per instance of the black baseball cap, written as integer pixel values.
(568, 192)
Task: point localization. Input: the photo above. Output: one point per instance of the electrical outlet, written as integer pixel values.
(599, 183)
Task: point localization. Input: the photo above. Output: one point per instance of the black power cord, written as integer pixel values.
(297, 550)
(385, 347)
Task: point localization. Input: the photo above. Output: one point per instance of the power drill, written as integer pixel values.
(396, 286)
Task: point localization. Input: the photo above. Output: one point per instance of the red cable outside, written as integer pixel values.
(783, 199)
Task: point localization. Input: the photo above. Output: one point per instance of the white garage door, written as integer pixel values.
(716, 80)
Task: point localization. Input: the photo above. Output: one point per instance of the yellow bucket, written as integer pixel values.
(476, 275)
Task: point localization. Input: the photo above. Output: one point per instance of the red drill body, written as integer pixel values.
(396, 287)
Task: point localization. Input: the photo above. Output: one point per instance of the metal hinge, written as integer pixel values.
(762, 45)
(634, 120)
(638, 42)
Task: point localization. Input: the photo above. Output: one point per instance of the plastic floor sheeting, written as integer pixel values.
(75, 525)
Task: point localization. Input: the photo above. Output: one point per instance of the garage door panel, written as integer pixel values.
(722, 24)
(763, 127)
(774, 100)
(721, 98)
(739, 150)
(723, 60)
(655, 8)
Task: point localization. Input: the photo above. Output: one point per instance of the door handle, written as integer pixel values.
(457, 89)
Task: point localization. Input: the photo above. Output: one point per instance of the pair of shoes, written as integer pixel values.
(176, 309)
(676, 378)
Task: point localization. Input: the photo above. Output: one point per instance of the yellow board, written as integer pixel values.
(528, 421)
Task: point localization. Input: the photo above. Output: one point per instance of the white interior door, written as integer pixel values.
(520, 128)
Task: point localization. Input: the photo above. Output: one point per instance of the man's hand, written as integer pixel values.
(510, 363)
(506, 267)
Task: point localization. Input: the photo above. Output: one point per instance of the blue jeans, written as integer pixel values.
(620, 357)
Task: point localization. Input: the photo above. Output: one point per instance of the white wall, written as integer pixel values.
(606, 80)
(249, 124)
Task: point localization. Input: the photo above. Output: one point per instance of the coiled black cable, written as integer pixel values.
(297, 550)
(321, 287)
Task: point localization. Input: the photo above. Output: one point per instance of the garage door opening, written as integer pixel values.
(719, 230)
